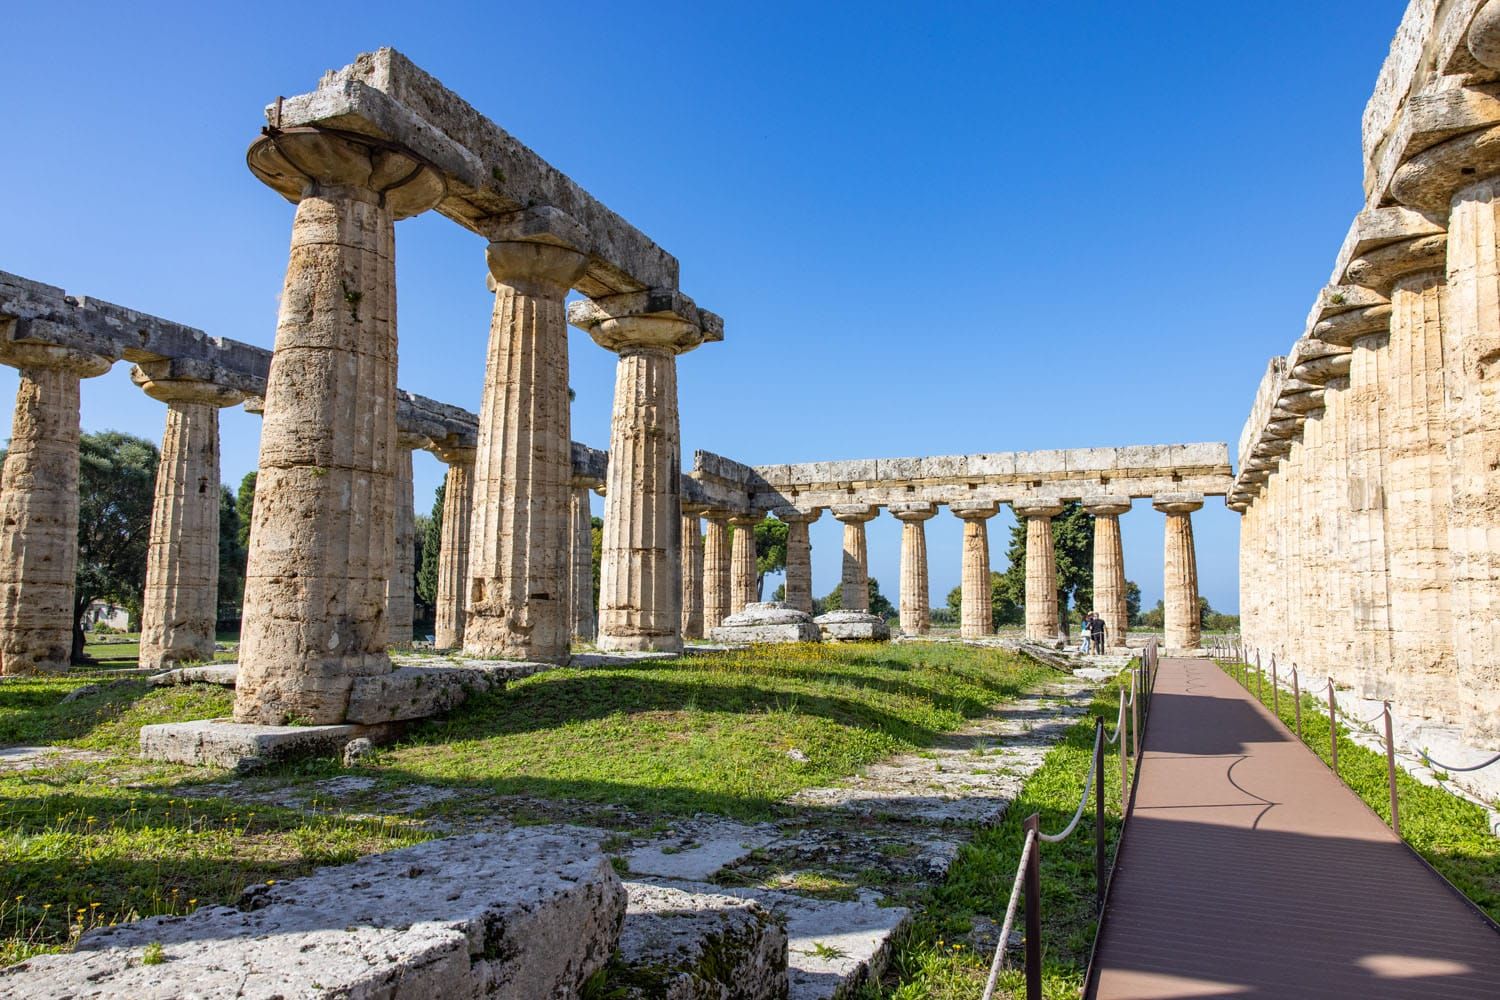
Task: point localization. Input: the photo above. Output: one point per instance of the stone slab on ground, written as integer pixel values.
(767, 621)
(417, 692)
(694, 850)
(222, 674)
(853, 626)
(225, 743)
(617, 659)
(529, 914)
(24, 758)
(686, 945)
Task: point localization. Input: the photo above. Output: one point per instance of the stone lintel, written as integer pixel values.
(1215, 483)
(538, 224)
(589, 463)
(974, 510)
(1177, 503)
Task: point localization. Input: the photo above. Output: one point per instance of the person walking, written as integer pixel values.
(1096, 632)
(1084, 635)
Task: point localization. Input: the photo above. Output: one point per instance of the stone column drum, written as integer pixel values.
(401, 591)
(715, 569)
(742, 563)
(581, 558)
(453, 555)
(320, 541)
(1109, 565)
(854, 586)
(798, 557)
(977, 611)
(1041, 566)
(1180, 584)
(518, 605)
(692, 570)
(640, 600)
(39, 508)
(916, 587)
(180, 603)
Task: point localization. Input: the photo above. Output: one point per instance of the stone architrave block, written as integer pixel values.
(853, 626)
(682, 945)
(525, 915)
(998, 463)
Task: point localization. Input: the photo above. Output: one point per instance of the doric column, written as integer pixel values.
(715, 569)
(180, 603)
(1109, 564)
(854, 586)
(742, 562)
(1180, 577)
(978, 617)
(640, 599)
(916, 588)
(320, 542)
(39, 508)
(1041, 566)
(401, 590)
(585, 620)
(453, 554)
(518, 605)
(799, 593)
(692, 570)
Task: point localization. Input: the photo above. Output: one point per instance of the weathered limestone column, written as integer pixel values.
(692, 570)
(180, 603)
(401, 590)
(519, 572)
(39, 508)
(640, 601)
(742, 562)
(798, 556)
(916, 592)
(1180, 584)
(1041, 566)
(581, 559)
(453, 556)
(1109, 564)
(320, 542)
(854, 586)
(977, 619)
(715, 569)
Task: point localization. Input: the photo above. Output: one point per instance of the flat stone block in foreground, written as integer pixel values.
(768, 621)
(225, 743)
(853, 626)
(416, 692)
(683, 945)
(526, 915)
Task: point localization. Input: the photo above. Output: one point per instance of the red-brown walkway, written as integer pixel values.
(1249, 870)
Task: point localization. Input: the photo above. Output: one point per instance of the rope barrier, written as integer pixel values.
(1444, 767)
(998, 962)
(1088, 784)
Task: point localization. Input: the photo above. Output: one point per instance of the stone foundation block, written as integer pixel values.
(853, 626)
(222, 674)
(526, 915)
(225, 743)
(679, 945)
(416, 692)
(768, 621)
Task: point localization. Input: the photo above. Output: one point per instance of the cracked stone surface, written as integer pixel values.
(681, 944)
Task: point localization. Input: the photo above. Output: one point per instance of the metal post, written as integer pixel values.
(1099, 812)
(1260, 680)
(1275, 691)
(1034, 911)
(1333, 727)
(1297, 697)
(1390, 771)
(1135, 721)
(1124, 764)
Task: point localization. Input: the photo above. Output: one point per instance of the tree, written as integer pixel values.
(116, 490)
(596, 554)
(1132, 602)
(1003, 609)
(244, 503)
(1073, 553)
(430, 549)
(770, 551)
(879, 604)
(1155, 618)
(231, 558)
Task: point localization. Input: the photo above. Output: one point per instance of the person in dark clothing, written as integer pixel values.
(1096, 632)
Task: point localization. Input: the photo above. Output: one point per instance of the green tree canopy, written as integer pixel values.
(1073, 550)
(1003, 608)
(244, 503)
(430, 547)
(879, 603)
(231, 557)
(116, 490)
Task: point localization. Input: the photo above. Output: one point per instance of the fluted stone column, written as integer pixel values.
(39, 508)
(1180, 578)
(401, 590)
(180, 603)
(1041, 566)
(715, 569)
(581, 560)
(453, 554)
(1109, 564)
(916, 592)
(798, 556)
(640, 600)
(321, 536)
(854, 585)
(692, 570)
(977, 619)
(518, 605)
(1338, 656)
(742, 562)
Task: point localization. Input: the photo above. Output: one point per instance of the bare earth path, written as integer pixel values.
(1249, 870)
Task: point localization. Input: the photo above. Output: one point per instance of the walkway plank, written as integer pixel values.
(1249, 870)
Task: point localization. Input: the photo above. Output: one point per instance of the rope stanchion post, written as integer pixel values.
(1135, 722)
(1033, 892)
(1260, 679)
(1297, 697)
(1333, 727)
(1275, 691)
(1390, 771)
(1099, 813)
(1124, 757)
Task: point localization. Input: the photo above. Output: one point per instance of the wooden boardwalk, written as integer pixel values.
(1249, 870)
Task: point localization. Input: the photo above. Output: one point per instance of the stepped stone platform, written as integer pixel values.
(769, 621)
(853, 626)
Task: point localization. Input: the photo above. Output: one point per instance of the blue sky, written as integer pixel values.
(931, 229)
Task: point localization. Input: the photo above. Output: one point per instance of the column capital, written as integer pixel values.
(746, 519)
(913, 512)
(854, 513)
(1177, 503)
(691, 509)
(1036, 507)
(718, 514)
(1429, 180)
(535, 245)
(175, 381)
(1387, 244)
(792, 515)
(974, 510)
(308, 160)
(1106, 503)
(457, 449)
(81, 363)
(411, 441)
(661, 319)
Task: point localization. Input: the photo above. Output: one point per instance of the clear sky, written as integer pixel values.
(931, 228)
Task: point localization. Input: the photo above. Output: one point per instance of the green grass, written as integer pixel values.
(126, 651)
(1453, 834)
(935, 961)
